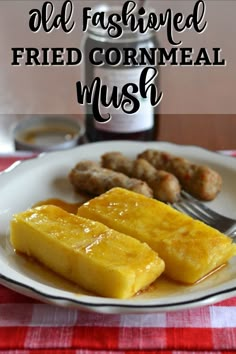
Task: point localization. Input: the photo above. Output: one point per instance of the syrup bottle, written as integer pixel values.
(142, 125)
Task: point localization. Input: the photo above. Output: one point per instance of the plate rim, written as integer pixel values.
(18, 163)
(204, 300)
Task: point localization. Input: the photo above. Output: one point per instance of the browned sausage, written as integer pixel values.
(89, 177)
(200, 181)
(165, 186)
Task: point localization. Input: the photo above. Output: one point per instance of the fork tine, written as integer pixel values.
(200, 213)
(193, 212)
(183, 209)
(232, 234)
(197, 210)
(211, 213)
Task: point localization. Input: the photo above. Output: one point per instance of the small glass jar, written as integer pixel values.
(47, 133)
(142, 125)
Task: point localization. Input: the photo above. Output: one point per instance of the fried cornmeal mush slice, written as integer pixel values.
(189, 248)
(86, 252)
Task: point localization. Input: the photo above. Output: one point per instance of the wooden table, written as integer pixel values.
(214, 132)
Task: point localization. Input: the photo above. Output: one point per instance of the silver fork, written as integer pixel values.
(196, 209)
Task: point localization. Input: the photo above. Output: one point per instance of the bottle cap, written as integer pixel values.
(47, 133)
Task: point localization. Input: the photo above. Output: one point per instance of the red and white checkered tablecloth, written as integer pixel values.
(28, 326)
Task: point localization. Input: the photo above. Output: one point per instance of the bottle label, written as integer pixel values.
(122, 122)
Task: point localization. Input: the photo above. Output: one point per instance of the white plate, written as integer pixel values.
(46, 177)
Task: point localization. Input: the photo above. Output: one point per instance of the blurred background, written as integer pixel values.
(188, 91)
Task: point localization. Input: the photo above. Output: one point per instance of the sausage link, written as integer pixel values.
(165, 186)
(200, 181)
(89, 177)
